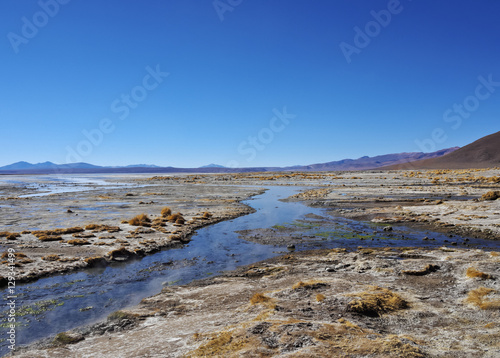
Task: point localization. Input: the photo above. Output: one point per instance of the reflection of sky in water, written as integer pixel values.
(48, 185)
(213, 249)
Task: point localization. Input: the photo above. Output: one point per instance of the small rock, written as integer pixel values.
(388, 228)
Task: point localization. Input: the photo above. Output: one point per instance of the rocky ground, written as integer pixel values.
(377, 302)
(327, 303)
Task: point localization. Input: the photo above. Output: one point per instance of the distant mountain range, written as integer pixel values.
(483, 153)
(365, 163)
(362, 163)
(50, 165)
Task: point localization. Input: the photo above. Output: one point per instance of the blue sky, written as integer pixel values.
(248, 83)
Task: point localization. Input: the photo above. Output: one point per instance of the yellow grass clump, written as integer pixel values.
(50, 238)
(174, 217)
(207, 215)
(308, 285)
(9, 235)
(96, 261)
(78, 242)
(221, 344)
(140, 220)
(320, 297)
(52, 257)
(472, 272)
(376, 301)
(491, 195)
(425, 271)
(101, 228)
(166, 211)
(20, 258)
(478, 298)
(259, 298)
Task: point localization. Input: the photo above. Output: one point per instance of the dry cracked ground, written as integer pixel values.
(381, 302)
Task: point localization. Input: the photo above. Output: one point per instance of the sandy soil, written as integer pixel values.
(383, 302)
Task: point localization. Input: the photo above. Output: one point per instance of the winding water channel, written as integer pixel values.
(52, 305)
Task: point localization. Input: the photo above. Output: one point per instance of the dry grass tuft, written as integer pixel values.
(160, 221)
(140, 220)
(20, 258)
(478, 298)
(308, 285)
(52, 257)
(376, 301)
(425, 271)
(56, 232)
(472, 272)
(78, 242)
(166, 211)
(101, 228)
(222, 344)
(259, 298)
(207, 215)
(96, 261)
(50, 238)
(174, 217)
(83, 235)
(349, 324)
(320, 297)
(491, 195)
(394, 347)
(18, 255)
(9, 234)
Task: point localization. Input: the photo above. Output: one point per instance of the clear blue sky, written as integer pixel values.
(69, 68)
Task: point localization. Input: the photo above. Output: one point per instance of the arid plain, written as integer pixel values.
(373, 300)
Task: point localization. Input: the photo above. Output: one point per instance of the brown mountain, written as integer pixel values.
(483, 153)
(365, 163)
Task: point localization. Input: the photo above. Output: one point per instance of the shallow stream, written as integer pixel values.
(52, 305)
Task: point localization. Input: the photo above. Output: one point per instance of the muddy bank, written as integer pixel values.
(62, 232)
(378, 302)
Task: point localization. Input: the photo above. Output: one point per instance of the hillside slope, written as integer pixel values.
(483, 153)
